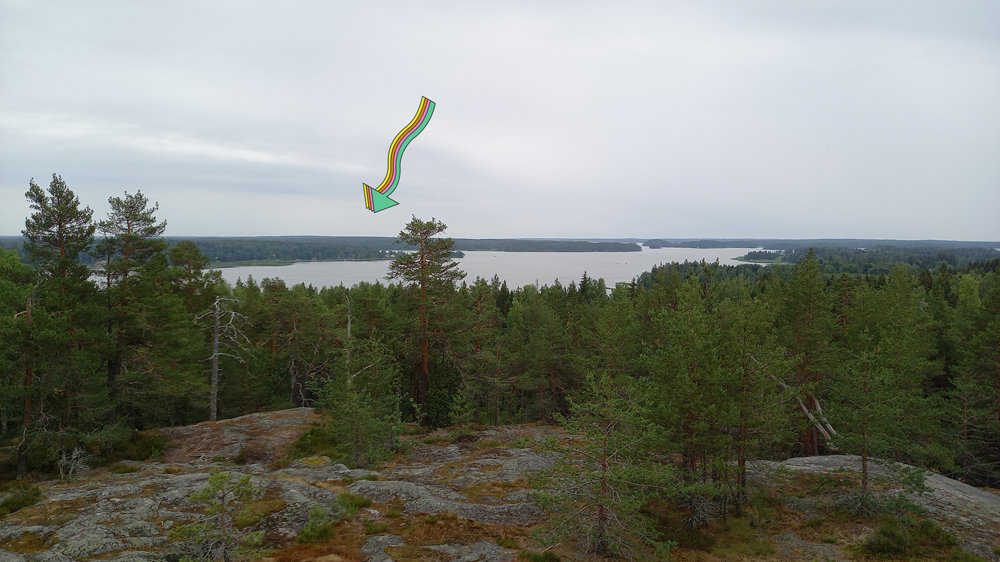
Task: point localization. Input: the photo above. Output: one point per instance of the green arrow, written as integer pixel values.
(379, 201)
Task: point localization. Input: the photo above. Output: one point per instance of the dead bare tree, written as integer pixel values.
(226, 332)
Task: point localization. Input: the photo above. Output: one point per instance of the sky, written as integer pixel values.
(573, 119)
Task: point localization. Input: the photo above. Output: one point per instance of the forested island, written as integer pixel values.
(677, 381)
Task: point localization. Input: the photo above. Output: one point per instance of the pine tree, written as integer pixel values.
(538, 343)
(808, 326)
(429, 270)
(190, 278)
(58, 231)
(131, 240)
(755, 365)
(482, 358)
(63, 315)
(881, 405)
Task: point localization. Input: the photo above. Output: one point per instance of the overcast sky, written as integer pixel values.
(785, 119)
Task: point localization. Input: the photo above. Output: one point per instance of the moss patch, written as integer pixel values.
(29, 543)
(53, 513)
(256, 510)
(413, 553)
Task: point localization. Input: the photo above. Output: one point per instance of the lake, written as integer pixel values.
(517, 268)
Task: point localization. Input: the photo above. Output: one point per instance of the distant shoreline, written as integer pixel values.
(279, 263)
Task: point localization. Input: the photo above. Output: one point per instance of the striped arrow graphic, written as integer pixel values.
(377, 198)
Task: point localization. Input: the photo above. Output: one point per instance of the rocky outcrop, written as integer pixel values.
(130, 517)
(450, 499)
(971, 514)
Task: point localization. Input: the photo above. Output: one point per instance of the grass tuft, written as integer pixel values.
(352, 503)
(122, 468)
(507, 543)
(374, 527)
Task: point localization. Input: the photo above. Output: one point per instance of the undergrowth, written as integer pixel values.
(22, 496)
(320, 528)
(143, 446)
(316, 441)
(907, 535)
(352, 503)
(538, 556)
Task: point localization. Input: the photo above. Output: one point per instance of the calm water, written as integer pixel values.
(517, 268)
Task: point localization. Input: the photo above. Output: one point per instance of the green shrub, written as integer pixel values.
(903, 535)
(862, 504)
(20, 499)
(143, 446)
(316, 441)
(320, 528)
(523, 442)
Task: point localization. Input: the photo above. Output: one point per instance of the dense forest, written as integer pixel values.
(714, 365)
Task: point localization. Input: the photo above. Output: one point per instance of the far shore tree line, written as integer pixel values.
(714, 365)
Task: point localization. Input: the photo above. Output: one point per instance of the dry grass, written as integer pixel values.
(993, 491)
(476, 492)
(413, 553)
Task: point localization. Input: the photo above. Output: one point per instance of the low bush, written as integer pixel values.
(21, 498)
(317, 441)
(320, 528)
(143, 446)
(906, 535)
